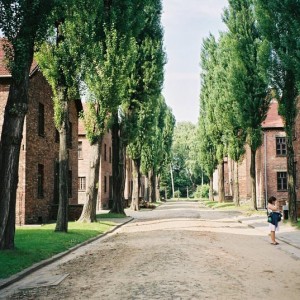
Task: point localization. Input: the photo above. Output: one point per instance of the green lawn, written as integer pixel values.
(36, 243)
(244, 208)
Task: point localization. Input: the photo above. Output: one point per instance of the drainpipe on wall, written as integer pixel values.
(265, 162)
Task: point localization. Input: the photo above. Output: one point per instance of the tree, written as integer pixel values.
(148, 78)
(184, 157)
(59, 61)
(279, 22)
(252, 54)
(113, 50)
(166, 181)
(23, 24)
(228, 116)
(211, 141)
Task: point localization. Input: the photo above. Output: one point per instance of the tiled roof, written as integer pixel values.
(4, 72)
(273, 119)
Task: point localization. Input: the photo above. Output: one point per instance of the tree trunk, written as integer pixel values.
(11, 138)
(152, 180)
(211, 188)
(150, 175)
(253, 179)
(62, 215)
(157, 195)
(291, 172)
(118, 165)
(154, 186)
(221, 182)
(289, 101)
(89, 209)
(236, 188)
(136, 184)
(172, 181)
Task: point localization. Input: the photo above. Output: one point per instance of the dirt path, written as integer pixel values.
(178, 251)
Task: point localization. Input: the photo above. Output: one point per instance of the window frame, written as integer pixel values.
(280, 146)
(281, 181)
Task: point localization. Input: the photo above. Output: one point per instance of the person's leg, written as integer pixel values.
(273, 237)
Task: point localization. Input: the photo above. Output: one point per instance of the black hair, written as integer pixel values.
(271, 199)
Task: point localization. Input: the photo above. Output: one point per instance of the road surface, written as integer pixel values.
(180, 250)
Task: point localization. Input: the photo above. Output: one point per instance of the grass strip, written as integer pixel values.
(36, 243)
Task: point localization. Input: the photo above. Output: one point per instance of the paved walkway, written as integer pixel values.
(287, 233)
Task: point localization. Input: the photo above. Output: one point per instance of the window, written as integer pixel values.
(280, 146)
(281, 181)
(69, 136)
(105, 184)
(40, 181)
(81, 183)
(41, 120)
(110, 154)
(79, 150)
(56, 136)
(70, 184)
(104, 152)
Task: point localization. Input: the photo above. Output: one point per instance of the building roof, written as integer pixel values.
(273, 119)
(4, 72)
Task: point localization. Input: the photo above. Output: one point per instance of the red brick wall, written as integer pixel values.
(265, 177)
(83, 164)
(274, 164)
(105, 169)
(43, 150)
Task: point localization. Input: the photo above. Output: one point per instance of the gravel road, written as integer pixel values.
(177, 251)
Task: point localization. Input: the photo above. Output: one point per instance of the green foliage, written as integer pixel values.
(280, 24)
(177, 194)
(202, 191)
(23, 24)
(35, 244)
(145, 110)
(252, 56)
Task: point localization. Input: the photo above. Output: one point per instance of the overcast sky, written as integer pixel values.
(186, 23)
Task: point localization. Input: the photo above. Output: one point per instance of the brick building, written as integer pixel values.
(37, 191)
(105, 173)
(271, 164)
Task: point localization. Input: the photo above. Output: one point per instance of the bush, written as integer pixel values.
(177, 194)
(202, 191)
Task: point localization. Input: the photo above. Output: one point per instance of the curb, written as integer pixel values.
(16, 277)
(277, 238)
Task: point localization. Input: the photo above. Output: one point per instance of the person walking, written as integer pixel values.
(275, 216)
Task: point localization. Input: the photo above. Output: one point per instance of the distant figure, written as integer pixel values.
(274, 213)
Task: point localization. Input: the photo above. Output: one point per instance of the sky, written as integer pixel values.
(186, 23)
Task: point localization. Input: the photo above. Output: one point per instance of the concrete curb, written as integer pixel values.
(16, 277)
(277, 238)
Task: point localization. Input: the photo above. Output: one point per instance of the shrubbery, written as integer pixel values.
(177, 194)
(202, 191)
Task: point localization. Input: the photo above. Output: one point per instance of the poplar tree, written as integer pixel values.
(210, 99)
(252, 54)
(112, 48)
(228, 116)
(23, 24)
(59, 59)
(148, 78)
(280, 23)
